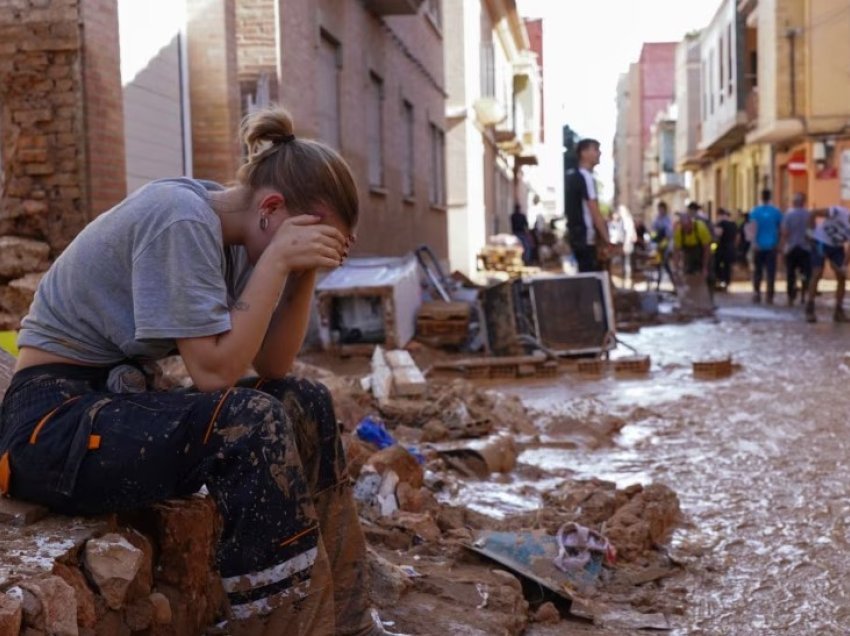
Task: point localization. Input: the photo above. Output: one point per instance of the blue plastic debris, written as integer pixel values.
(374, 432)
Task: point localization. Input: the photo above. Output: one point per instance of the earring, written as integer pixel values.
(264, 223)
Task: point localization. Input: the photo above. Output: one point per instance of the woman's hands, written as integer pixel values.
(303, 242)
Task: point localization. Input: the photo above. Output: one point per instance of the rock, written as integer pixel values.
(19, 256)
(387, 581)
(399, 460)
(547, 614)
(434, 431)
(112, 624)
(411, 500)
(420, 525)
(139, 614)
(643, 522)
(161, 608)
(31, 608)
(11, 614)
(58, 605)
(113, 563)
(17, 296)
(20, 513)
(358, 453)
(142, 584)
(86, 612)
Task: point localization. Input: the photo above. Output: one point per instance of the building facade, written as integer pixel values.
(493, 117)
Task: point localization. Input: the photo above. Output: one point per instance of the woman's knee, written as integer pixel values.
(252, 410)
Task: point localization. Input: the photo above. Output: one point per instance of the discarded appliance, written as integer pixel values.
(368, 302)
(564, 315)
(573, 314)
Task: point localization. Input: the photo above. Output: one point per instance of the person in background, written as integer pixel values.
(724, 258)
(692, 247)
(797, 248)
(767, 219)
(586, 229)
(830, 239)
(662, 236)
(519, 228)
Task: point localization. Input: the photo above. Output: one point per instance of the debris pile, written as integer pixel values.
(151, 573)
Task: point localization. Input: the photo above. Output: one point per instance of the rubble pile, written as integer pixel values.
(151, 573)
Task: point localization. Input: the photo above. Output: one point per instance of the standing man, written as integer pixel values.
(519, 227)
(727, 237)
(692, 245)
(797, 247)
(662, 236)
(586, 227)
(830, 239)
(767, 220)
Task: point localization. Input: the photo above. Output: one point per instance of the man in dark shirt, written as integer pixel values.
(727, 238)
(587, 230)
(519, 228)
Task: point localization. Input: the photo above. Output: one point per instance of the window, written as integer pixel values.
(730, 72)
(330, 61)
(704, 91)
(408, 154)
(437, 191)
(711, 83)
(375, 130)
(721, 67)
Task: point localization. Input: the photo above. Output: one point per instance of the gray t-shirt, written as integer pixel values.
(150, 270)
(796, 224)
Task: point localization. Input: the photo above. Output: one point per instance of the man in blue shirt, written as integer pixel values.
(767, 220)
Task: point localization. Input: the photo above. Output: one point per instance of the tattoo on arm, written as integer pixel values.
(241, 305)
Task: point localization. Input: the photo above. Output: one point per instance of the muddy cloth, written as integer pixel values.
(269, 453)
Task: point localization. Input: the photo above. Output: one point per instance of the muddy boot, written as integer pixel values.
(810, 312)
(756, 297)
(839, 315)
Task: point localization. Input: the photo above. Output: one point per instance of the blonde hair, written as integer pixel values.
(304, 171)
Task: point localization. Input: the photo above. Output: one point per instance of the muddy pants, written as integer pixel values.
(269, 453)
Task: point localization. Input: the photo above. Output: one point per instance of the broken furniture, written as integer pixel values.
(368, 302)
(441, 323)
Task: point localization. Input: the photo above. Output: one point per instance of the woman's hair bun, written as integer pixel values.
(271, 125)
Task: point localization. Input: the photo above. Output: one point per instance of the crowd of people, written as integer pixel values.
(690, 243)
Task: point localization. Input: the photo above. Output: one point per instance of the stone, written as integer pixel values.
(421, 525)
(86, 612)
(161, 608)
(388, 582)
(399, 460)
(434, 431)
(19, 256)
(547, 614)
(113, 563)
(142, 584)
(358, 453)
(20, 513)
(58, 605)
(11, 614)
(139, 614)
(112, 624)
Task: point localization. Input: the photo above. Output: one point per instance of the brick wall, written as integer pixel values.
(214, 88)
(104, 111)
(43, 199)
(407, 53)
(256, 41)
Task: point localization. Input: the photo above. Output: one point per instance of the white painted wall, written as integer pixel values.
(155, 107)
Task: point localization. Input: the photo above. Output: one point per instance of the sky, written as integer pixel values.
(587, 45)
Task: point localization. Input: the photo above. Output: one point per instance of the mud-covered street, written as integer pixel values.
(758, 461)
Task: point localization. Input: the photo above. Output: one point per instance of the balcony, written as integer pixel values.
(393, 7)
(671, 181)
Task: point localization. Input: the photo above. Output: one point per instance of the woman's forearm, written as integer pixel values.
(288, 326)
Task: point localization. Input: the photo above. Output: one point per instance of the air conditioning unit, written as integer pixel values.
(568, 315)
(573, 315)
